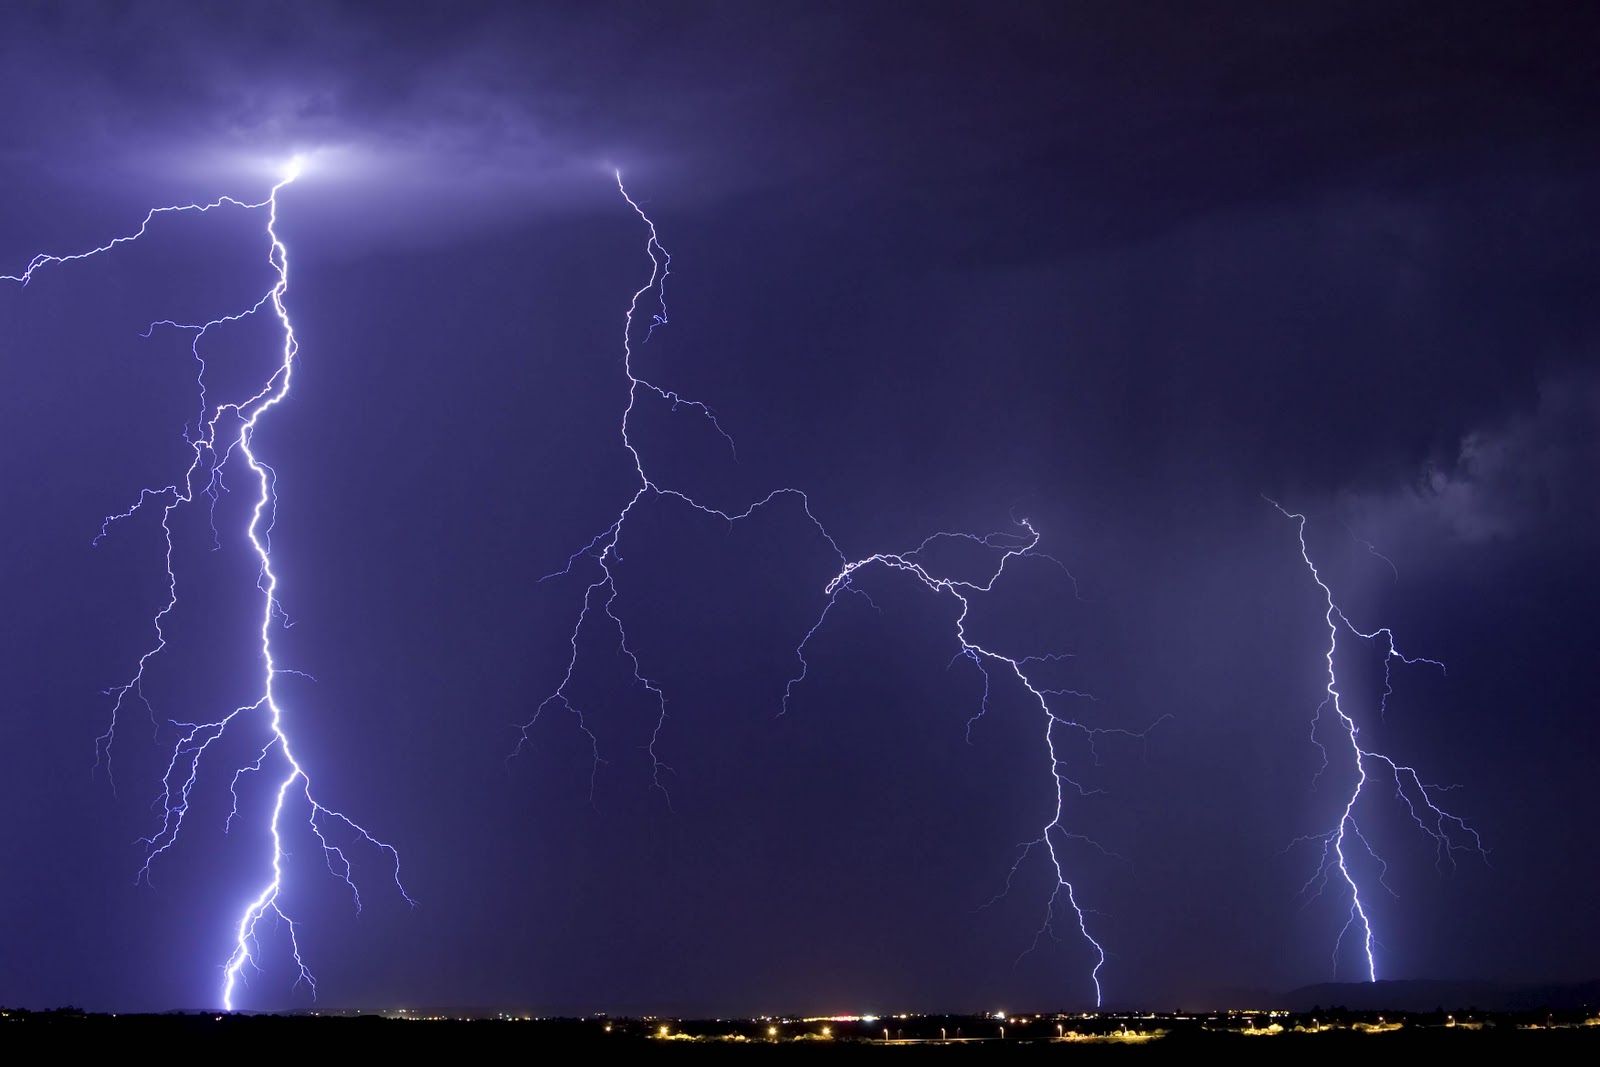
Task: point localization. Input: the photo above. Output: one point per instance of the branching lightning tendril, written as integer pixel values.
(224, 436)
(600, 598)
(1450, 834)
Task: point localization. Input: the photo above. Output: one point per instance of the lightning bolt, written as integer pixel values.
(1450, 834)
(599, 607)
(224, 438)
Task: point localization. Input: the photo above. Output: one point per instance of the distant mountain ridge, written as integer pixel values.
(1425, 995)
(1416, 995)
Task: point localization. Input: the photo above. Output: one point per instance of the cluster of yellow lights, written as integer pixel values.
(666, 1032)
(1256, 1024)
(1119, 1036)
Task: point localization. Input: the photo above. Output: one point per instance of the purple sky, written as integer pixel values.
(1119, 269)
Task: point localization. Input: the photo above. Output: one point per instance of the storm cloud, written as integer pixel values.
(1120, 268)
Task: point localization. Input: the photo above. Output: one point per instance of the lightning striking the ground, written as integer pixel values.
(995, 667)
(222, 441)
(1340, 845)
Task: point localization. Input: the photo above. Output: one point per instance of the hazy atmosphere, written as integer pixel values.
(1127, 273)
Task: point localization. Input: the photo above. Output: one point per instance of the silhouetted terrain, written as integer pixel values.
(1426, 995)
(1331, 1031)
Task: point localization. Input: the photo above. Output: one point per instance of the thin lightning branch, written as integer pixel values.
(1450, 834)
(1372, 550)
(600, 599)
(225, 434)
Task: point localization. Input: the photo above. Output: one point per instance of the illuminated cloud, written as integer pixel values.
(1530, 475)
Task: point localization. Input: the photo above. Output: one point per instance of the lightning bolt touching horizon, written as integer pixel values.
(1449, 832)
(601, 593)
(224, 435)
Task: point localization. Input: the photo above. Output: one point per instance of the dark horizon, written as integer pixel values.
(1412, 996)
(1130, 275)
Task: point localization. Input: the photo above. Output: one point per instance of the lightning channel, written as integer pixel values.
(1450, 834)
(598, 606)
(222, 439)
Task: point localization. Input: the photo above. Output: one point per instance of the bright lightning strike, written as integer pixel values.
(224, 439)
(600, 599)
(1449, 832)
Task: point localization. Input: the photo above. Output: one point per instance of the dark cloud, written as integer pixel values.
(1523, 483)
(1122, 267)
(1108, 120)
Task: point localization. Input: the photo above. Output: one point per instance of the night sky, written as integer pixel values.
(1117, 268)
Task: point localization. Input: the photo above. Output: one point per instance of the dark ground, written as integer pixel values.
(1338, 1033)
